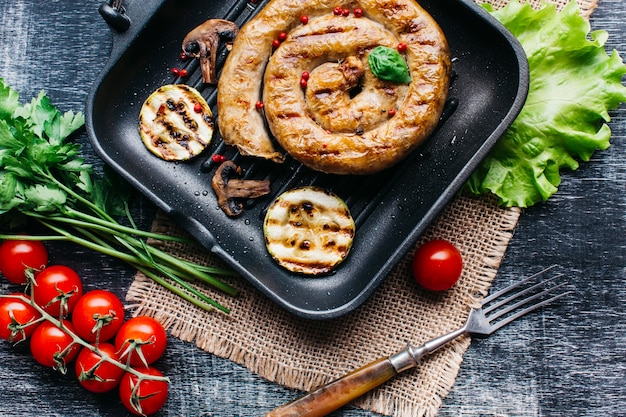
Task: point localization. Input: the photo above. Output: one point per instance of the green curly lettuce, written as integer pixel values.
(573, 85)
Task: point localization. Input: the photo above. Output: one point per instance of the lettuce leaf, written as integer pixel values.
(573, 85)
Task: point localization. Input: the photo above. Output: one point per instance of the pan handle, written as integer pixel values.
(114, 13)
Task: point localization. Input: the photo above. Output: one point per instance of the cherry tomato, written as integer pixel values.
(97, 316)
(57, 290)
(16, 256)
(15, 316)
(51, 346)
(437, 265)
(95, 374)
(144, 397)
(141, 337)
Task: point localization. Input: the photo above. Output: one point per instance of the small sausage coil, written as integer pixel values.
(342, 119)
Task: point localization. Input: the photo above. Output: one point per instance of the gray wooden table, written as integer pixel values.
(566, 361)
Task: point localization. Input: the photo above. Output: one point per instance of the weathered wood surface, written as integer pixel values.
(566, 361)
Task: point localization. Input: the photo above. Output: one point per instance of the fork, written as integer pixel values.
(495, 311)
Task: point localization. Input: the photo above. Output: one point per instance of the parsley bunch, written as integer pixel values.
(44, 178)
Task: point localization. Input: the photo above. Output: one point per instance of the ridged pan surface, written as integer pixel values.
(391, 209)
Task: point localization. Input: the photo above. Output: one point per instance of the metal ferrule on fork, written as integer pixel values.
(410, 357)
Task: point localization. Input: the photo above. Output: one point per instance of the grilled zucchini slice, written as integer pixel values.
(308, 230)
(176, 123)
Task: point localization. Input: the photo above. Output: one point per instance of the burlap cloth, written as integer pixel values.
(303, 354)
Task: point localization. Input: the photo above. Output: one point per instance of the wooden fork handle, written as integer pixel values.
(338, 393)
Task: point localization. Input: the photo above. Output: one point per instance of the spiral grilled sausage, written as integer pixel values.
(343, 122)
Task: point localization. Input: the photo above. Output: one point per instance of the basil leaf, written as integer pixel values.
(387, 64)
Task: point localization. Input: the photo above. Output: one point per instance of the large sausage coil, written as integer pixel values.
(343, 120)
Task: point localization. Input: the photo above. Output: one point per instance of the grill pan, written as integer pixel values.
(391, 209)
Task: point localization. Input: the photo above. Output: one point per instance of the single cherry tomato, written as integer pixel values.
(98, 315)
(183, 73)
(57, 290)
(337, 11)
(358, 12)
(275, 43)
(16, 256)
(401, 47)
(96, 374)
(437, 265)
(304, 19)
(282, 36)
(18, 319)
(51, 346)
(146, 396)
(143, 339)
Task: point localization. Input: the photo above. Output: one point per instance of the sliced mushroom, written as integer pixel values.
(203, 42)
(230, 189)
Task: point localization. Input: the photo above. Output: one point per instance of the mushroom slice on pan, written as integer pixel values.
(176, 123)
(204, 40)
(230, 189)
(308, 230)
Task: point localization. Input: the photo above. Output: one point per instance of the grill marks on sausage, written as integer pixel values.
(328, 30)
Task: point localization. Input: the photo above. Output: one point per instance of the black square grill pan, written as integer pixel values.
(391, 209)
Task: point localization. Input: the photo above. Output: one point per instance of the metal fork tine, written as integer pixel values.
(519, 294)
(527, 310)
(512, 287)
(522, 302)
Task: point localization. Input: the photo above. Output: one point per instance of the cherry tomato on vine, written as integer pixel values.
(437, 265)
(51, 346)
(98, 314)
(57, 290)
(95, 374)
(141, 337)
(16, 256)
(143, 397)
(15, 316)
